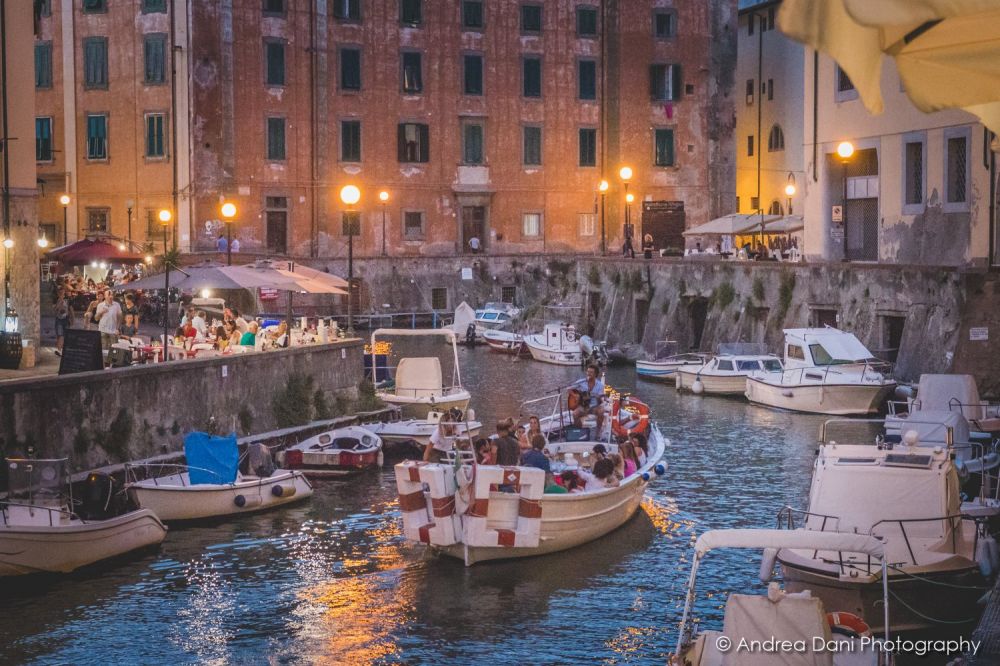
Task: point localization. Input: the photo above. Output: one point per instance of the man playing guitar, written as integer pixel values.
(586, 396)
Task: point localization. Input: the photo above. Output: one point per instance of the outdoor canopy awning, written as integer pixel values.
(785, 225)
(88, 250)
(730, 225)
(946, 51)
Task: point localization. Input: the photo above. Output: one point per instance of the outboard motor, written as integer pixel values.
(101, 497)
(260, 461)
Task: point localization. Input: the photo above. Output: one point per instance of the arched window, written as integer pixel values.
(776, 139)
(776, 208)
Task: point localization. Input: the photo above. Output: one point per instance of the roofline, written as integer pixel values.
(753, 8)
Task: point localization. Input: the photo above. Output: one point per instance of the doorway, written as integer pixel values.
(698, 313)
(473, 226)
(277, 224)
(862, 229)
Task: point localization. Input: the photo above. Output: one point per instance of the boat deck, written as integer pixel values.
(988, 631)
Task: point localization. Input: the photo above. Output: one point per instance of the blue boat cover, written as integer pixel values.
(210, 458)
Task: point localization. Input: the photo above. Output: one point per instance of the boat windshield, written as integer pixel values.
(772, 364)
(744, 366)
(489, 316)
(30, 479)
(822, 357)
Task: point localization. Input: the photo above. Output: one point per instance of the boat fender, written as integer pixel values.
(660, 469)
(280, 490)
(767, 561)
(848, 624)
(697, 387)
(244, 502)
(983, 558)
(645, 476)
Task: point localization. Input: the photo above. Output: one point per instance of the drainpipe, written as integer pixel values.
(815, 115)
(992, 254)
(6, 151)
(173, 127)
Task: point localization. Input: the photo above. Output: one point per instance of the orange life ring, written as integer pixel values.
(629, 416)
(848, 624)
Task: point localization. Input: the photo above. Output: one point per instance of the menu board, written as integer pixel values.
(81, 352)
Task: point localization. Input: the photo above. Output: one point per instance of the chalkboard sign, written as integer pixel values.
(81, 352)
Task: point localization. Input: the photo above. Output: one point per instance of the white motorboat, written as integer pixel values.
(953, 393)
(826, 371)
(40, 532)
(214, 489)
(505, 342)
(665, 369)
(558, 343)
(907, 496)
(418, 386)
(495, 315)
(420, 430)
(726, 373)
(458, 510)
(794, 619)
(339, 452)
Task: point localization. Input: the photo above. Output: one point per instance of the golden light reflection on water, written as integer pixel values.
(661, 514)
(201, 629)
(629, 643)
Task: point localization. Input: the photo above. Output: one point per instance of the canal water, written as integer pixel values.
(331, 581)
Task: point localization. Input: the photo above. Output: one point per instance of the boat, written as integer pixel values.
(338, 452)
(463, 324)
(954, 393)
(796, 619)
(495, 315)
(211, 485)
(41, 531)
(418, 386)
(457, 509)
(558, 343)
(826, 371)
(505, 342)
(419, 431)
(908, 496)
(727, 371)
(667, 361)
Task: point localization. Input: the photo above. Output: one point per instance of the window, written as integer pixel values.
(755, 204)
(770, 89)
(532, 146)
(587, 79)
(913, 174)
(795, 352)
(154, 6)
(725, 365)
(586, 21)
(276, 139)
(274, 7)
(588, 224)
(43, 139)
(750, 92)
(588, 147)
(439, 298)
(44, 7)
(97, 219)
(43, 65)
(409, 12)
(413, 225)
(775, 139)
(532, 79)
(155, 135)
(412, 79)
(97, 137)
(350, 69)
(776, 208)
(274, 62)
(531, 18)
(750, 21)
(350, 140)
(155, 56)
(95, 62)
(531, 224)
(844, 87)
(153, 226)
(472, 14)
(508, 294)
(350, 223)
(664, 24)
(665, 82)
(347, 10)
(956, 169)
(472, 80)
(472, 142)
(413, 142)
(664, 142)
(750, 146)
(95, 6)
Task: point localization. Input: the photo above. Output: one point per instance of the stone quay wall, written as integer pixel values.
(112, 416)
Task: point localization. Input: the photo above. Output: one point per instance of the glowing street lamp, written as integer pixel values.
(845, 150)
(228, 211)
(790, 191)
(350, 195)
(64, 202)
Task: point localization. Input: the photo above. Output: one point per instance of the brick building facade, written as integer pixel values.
(495, 119)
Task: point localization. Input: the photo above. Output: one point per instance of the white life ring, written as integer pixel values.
(529, 482)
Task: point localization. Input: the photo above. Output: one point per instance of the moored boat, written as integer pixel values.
(495, 315)
(339, 452)
(953, 393)
(558, 344)
(505, 342)
(420, 430)
(726, 373)
(418, 386)
(665, 369)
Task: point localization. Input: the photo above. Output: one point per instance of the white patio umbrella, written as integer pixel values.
(212, 275)
(730, 225)
(946, 51)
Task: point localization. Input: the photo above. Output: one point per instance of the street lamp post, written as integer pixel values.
(165, 218)
(790, 191)
(128, 206)
(845, 150)
(64, 200)
(383, 197)
(228, 213)
(625, 173)
(350, 195)
(602, 187)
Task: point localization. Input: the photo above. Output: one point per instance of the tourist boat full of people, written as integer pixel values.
(664, 367)
(908, 496)
(211, 485)
(42, 528)
(468, 508)
(338, 452)
(826, 371)
(417, 386)
(726, 373)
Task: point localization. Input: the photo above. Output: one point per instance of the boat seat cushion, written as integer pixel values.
(791, 617)
(418, 377)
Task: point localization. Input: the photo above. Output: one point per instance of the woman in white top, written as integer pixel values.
(441, 440)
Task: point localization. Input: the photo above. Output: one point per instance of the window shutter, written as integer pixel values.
(676, 82)
(653, 82)
(425, 140)
(401, 142)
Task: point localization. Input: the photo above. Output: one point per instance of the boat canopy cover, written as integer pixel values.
(211, 458)
(931, 425)
(793, 617)
(937, 392)
(464, 315)
(418, 376)
(799, 539)
(838, 344)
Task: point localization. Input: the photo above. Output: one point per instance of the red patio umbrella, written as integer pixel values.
(84, 251)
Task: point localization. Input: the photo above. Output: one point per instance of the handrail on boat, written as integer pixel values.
(949, 431)
(69, 514)
(130, 473)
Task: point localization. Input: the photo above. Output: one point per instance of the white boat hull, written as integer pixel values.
(504, 342)
(832, 399)
(171, 501)
(67, 547)
(417, 408)
(712, 384)
(660, 370)
(565, 356)
(418, 431)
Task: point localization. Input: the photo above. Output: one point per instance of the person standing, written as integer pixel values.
(628, 250)
(235, 246)
(109, 319)
(474, 244)
(64, 319)
(221, 245)
(647, 246)
(131, 326)
(508, 451)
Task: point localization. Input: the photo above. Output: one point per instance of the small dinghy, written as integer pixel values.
(420, 430)
(211, 484)
(506, 342)
(40, 532)
(339, 452)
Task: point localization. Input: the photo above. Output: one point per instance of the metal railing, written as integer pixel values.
(872, 373)
(4, 505)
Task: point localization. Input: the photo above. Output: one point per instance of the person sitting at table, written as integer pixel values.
(572, 481)
(552, 487)
(239, 321)
(200, 324)
(221, 339)
(232, 333)
(535, 457)
(280, 335)
(249, 338)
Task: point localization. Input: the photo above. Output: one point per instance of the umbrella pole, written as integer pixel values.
(289, 314)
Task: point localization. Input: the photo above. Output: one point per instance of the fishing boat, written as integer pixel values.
(908, 496)
(506, 342)
(826, 371)
(419, 431)
(338, 452)
(558, 343)
(791, 618)
(418, 386)
(495, 315)
(459, 510)
(41, 531)
(726, 373)
(211, 485)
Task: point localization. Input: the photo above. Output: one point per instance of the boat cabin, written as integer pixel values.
(560, 336)
(822, 347)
